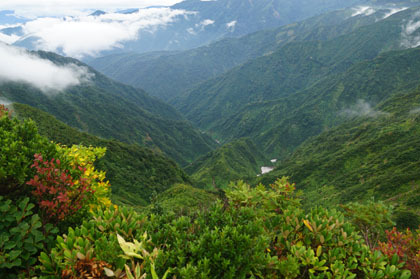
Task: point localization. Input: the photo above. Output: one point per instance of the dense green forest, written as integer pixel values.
(290, 69)
(102, 180)
(136, 173)
(372, 155)
(112, 110)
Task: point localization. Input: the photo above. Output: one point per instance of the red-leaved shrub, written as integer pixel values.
(407, 246)
(59, 194)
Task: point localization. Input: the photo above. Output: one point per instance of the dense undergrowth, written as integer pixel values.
(57, 221)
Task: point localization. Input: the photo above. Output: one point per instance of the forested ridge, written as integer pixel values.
(291, 152)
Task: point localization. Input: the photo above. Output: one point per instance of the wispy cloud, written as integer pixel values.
(415, 110)
(8, 39)
(362, 109)
(392, 11)
(18, 65)
(409, 37)
(5, 102)
(363, 10)
(89, 35)
(204, 23)
(231, 25)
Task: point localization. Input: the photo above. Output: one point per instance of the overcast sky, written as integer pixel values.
(71, 7)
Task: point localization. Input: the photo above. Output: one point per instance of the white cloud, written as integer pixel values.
(31, 8)
(362, 108)
(408, 37)
(205, 23)
(394, 11)
(8, 39)
(191, 31)
(363, 10)
(5, 102)
(18, 65)
(88, 35)
(231, 25)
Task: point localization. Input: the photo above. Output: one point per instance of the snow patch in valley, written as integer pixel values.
(265, 170)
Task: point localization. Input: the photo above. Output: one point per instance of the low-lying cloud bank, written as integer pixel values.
(362, 109)
(18, 65)
(34, 9)
(88, 35)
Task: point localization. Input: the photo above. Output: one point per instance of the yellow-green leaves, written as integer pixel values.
(131, 250)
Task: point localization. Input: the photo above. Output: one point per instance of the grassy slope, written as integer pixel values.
(239, 159)
(134, 172)
(182, 199)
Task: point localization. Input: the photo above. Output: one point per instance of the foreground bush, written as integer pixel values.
(44, 187)
(405, 246)
(255, 233)
(22, 237)
(19, 141)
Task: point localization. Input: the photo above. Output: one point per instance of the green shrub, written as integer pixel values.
(22, 237)
(371, 219)
(254, 233)
(96, 238)
(19, 141)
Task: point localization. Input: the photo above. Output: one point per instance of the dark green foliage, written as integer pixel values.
(19, 141)
(96, 237)
(22, 237)
(134, 172)
(112, 110)
(407, 219)
(368, 156)
(181, 199)
(371, 219)
(236, 160)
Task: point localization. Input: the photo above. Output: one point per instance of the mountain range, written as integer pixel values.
(112, 110)
(168, 75)
(188, 24)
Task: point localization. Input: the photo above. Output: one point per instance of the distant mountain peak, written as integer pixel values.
(98, 13)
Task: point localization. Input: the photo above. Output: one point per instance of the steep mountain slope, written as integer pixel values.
(282, 125)
(168, 74)
(375, 155)
(239, 159)
(113, 110)
(135, 172)
(291, 68)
